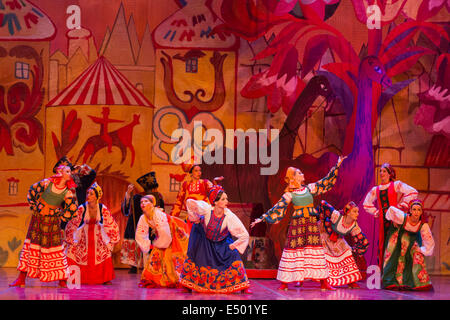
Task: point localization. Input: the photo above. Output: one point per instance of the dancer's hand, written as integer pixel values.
(341, 158)
(130, 190)
(255, 222)
(232, 247)
(217, 179)
(76, 169)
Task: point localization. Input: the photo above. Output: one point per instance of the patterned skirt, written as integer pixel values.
(342, 267)
(163, 266)
(130, 253)
(212, 267)
(43, 253)
(303, 256)
(404, 264)
(92, 273)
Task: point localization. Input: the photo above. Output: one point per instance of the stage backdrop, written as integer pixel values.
(107, 83)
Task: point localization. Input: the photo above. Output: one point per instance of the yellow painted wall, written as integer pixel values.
(204, 79)
(26, 164)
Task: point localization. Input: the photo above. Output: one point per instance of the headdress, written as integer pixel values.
(416, 202)
(390, 171)
(349, 206)
(56, 178)
(98, 191)
(151, 198)
(214, 192)
(148, 181)
(63, 161)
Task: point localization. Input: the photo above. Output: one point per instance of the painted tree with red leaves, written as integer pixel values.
(362, 82)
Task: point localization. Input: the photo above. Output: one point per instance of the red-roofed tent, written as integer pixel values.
(100, 84)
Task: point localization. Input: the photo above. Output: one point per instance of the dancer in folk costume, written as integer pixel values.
(408, 240)
(167, 250)
(83, 176)
(389, 192)
(91, 237)
(303, 256)
(333, 227)
(130, 253)
(214, 264)
(193, 187)
(43, 256)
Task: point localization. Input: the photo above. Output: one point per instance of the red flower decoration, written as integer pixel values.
(19, 106)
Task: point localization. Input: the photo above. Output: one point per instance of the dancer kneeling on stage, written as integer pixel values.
(408, 240)
(333, 227)
(91, 237)
(42, 255)
(214, 264)
(167, 251)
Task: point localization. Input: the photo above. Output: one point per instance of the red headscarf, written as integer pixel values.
(349, 206)
(56, 179)
(214, 192)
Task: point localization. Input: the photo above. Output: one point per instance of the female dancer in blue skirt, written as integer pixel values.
(214, 264)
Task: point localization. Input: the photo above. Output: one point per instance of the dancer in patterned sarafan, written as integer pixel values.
(51, 201)
(193, 187)
(389, 192)
(83, 176)
(91, 237)
(408, 241)
(303, 255)
(214, 264)
(333, 227)
(167, 251)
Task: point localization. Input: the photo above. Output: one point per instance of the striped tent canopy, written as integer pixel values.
(100, 84)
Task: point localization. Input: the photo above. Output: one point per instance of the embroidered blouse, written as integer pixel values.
(302, 199)
(398, 216)
(198, 210)
(406, 192)
(334, 225)
(191, 190)
(159, 222)
(106, 235)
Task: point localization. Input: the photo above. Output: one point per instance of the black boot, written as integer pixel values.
(133, 269)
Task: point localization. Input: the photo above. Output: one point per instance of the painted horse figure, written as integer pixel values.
(121, 138)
